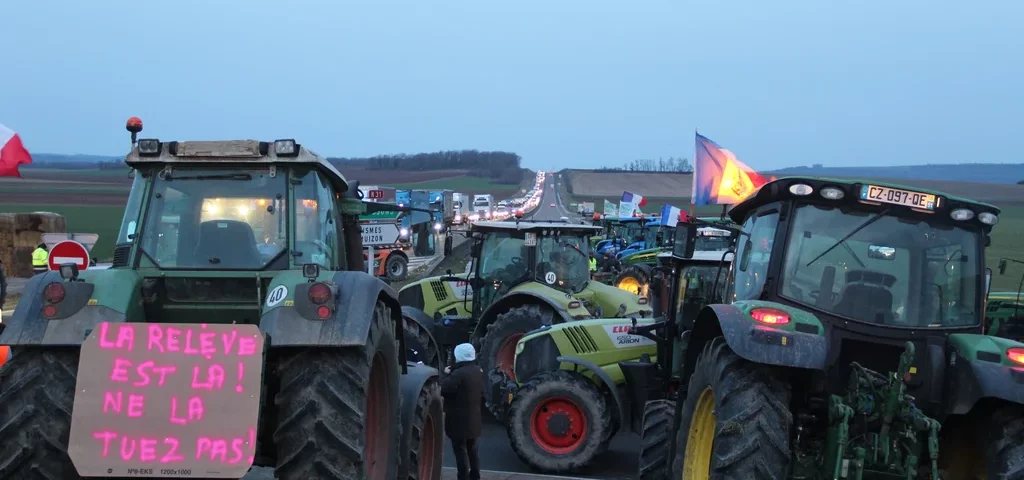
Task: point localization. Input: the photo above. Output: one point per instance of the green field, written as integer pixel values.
(102, 220)
(459, 184)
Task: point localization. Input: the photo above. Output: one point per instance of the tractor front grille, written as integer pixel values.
(440, 294)
(581, 340)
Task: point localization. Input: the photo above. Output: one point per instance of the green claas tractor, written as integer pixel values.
(849, 345)
(568, 397)
(259, 239)
(637, 266)
(524, 275)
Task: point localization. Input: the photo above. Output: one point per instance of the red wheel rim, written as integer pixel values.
(427, 448)
(378, 420)
(506, 357)
(558, 425)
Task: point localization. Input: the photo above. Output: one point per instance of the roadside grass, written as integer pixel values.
(102, 220)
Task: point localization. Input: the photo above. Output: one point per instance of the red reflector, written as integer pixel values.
(319, 293)
(323, 312)
(49, 311)
(770, 316)
(1016, 355)
(54, 293)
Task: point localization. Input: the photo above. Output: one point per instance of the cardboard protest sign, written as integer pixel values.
(167, 400)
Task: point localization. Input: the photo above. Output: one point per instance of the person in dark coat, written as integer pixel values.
(463, 391)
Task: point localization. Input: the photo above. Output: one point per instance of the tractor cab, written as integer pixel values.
(848, 301)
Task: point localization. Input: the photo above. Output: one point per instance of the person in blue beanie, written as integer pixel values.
(463, 391)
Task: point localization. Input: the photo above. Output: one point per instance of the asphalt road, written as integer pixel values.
(545, 212)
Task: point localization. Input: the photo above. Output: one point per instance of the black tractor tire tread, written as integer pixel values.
(37, 394)
(753, 419)
(1005, 444)
(655, 437)
(641, 273)
(516, 320)
(429, 354)
(387, 267)
(429, 403)
(321, 406)
(564, 384)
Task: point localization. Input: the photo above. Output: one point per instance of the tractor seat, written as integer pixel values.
(230, 241)
(866, 302)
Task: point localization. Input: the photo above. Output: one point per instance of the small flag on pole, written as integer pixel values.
(719, 177)
(669, 216)
(12, 153)
(634, 199)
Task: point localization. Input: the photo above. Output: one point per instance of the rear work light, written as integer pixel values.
(319, 293)
(286, 148)
(54, 293)
(770, 316)
(1016, 355)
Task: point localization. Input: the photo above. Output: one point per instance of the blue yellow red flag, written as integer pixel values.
(719, 177)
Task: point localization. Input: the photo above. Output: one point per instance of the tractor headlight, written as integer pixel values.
(437, 227)
(832, 193)
(404, 232)
(801, 189)
(285, 148)
(988, 218)
(149, 147)
(961, 214)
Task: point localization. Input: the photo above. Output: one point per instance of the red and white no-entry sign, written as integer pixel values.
(68, 251)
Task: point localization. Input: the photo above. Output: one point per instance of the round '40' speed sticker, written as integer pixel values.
(276, 295)
(550, 278)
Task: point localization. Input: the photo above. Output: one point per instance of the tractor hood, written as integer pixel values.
(597, 300)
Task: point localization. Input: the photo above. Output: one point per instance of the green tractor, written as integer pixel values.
(1004, 311)
(638, 264)
(525, 275)
(851, 327)
(228, 250)
(568, 396)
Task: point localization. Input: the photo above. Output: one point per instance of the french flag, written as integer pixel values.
(634, 199)
(12, 153)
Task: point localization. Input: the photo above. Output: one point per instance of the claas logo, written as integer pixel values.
(620, 329)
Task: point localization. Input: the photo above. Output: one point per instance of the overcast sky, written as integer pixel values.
(564, 83)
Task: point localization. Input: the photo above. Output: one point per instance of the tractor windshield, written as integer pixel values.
(200, 218)
(893, 271)
(563, 263)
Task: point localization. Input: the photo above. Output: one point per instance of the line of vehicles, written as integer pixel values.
(840, 333)
(411, 222)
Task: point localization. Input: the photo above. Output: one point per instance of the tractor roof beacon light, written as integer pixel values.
(988, 218)
(961, 214)
(310, 271)
(69, 271)
(801, 189)
(832, 193)
(133, 125)
(286, 148)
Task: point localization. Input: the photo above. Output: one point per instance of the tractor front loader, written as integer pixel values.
(236, 327)
(848, 344)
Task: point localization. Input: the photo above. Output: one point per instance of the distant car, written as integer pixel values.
(552, 204)
(564, 219)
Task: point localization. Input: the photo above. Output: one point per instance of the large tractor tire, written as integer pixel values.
(37, 388)
(634, 279)
(337, 409)
(425, 436)
(654, 439)
(735, 421)
(989, 449)
(420, 339)
(559, 422)
(396, 267)
(498, 347)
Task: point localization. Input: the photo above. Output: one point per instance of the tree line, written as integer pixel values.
(650, 165)
(498, 167)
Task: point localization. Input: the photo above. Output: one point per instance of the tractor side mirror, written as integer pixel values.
(1002, 267)
(748, 247)
(988, 282)
(477, 248)
(686, 240)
